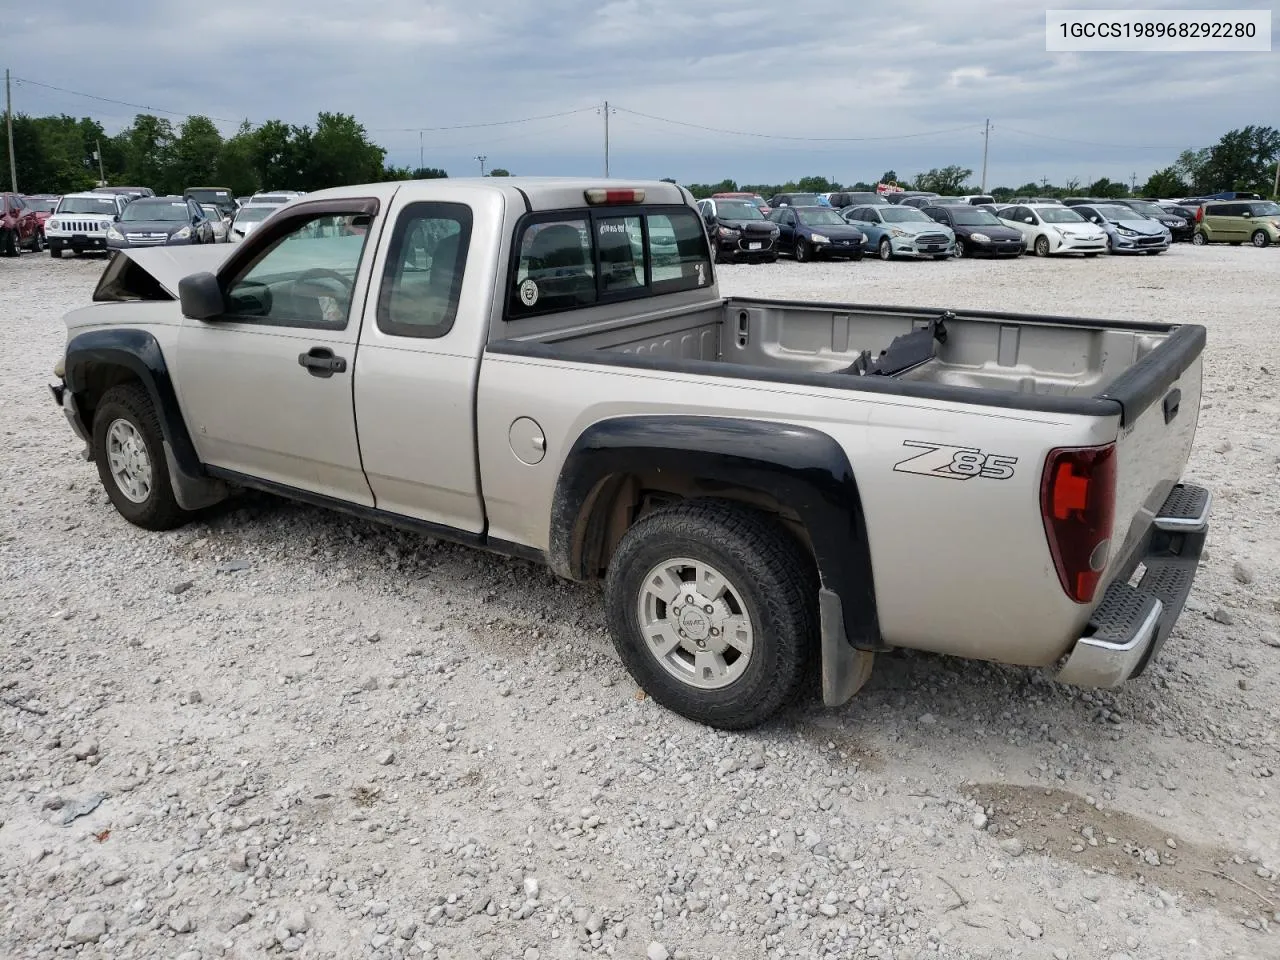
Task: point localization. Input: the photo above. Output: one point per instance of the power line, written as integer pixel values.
(122, 103)
(472, 126)
(779, 136)
(1089, 143)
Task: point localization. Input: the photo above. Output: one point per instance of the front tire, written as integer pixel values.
(55, 252)
(129, 449)
(8, 244)
(803, 254)
(37, 243)
(1042, 246)
(712, 607)
(885, 249)
(959, 252)
(1260, 238)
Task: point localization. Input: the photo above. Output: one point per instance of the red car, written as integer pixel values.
(42, 205)
(19, 226)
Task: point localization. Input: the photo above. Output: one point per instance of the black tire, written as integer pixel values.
(778, 585)
(1042, 246)
(885, 249)
(131, 403)
(8, 244)
(55, 252)
(1090, 256)
(959, 251)
(773, 259)
(802, 250)
(37, 243)
(1198, 239)
(1260, 238)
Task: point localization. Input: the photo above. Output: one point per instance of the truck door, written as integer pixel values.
(420, 348)
(266, 386)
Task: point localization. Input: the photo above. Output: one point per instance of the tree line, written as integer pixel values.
(1243, 159)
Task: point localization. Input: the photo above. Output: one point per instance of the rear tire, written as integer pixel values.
(128, 447)
(748, 576)
(1260, 238)
(8, 244)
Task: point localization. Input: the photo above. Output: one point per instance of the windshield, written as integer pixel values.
(904, 215)
(1111, 212)
(1265, 209)
(738, 210)
(801, 199)
(1147, 209)
(820, 218)
(103, 205)
(253, 214)
(156, 210)
(1059, 215)
(221, 197)
(975, 217)
(40, 205)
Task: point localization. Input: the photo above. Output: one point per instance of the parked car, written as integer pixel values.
(739, 231)
(1233, 195)
(815, 232)
(1237, 222)
(81, 221)
(978, 232)
(277, 198)
(1079, 201)
(247, 219)
(930, 200)
(1178, 211)
(19, 226)
(977, 199)
(219, 220)
(42, 205)
(219, 197)
(1127, 230)
(842, 199)
(1179, 227)
(160, 221)
(132, 193)
(767, 494)
(793, 200)
(1042, 200)
(749, 197)
(1051, 228)
(902, 196)
(897, 231)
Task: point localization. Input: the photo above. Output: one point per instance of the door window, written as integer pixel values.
(423, 276)
(304, 278)
(677, 251)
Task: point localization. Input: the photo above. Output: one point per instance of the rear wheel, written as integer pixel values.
(1042, 246)
(803, 254)
(885, 249)
(712, 608)
(1199, 239)
(8, 244)
(1260, 238)
(37, 243)
(129, 449)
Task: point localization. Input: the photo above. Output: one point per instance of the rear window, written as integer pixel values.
(600, 255)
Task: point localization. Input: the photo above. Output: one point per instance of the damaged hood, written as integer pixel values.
(167, 265)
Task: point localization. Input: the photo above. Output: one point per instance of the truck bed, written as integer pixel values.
(1060, 364)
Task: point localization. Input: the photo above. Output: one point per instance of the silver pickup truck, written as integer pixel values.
(771, 491)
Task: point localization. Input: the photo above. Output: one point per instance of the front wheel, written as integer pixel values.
(855, 257)
(772, 259)
(129, 449)
(37, 243)
(712, 608)
(8, 244)
(959, 251)
(885, 249)
(1260, 238)
(803, 254)
(55, 252)
(1199, 239)
(1042, 246)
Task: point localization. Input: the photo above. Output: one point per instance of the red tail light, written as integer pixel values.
(601, 195)
(1199, 214)
(1078, 503)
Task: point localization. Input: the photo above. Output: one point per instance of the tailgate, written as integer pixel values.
(1160, 398)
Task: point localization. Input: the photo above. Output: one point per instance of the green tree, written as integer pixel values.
(147, 148)
(1243, 159)
(499, 172)
(816, 185)
(235, 163)
(889, 176)
(194, 158)
(947, 180)
(1108, 188)
(1190, 166)
(276, 153)
(428, 173)
(1164, 183)
(340, 153)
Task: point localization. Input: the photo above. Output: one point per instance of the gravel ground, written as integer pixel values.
(282, 731)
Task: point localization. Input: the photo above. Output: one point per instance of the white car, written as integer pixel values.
(247, 219)
(80, 222)
(221, 224)
(1052, 228)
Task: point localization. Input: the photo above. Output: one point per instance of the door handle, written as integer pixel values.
(320, 362)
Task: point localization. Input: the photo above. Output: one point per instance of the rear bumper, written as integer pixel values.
(1133, 621)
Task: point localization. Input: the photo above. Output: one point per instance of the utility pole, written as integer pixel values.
(606, 139)
(482, 158)
(8, 123)
(1133, 182)
(421, 155)
(986, 139)
(102, 177)
(1275, 190)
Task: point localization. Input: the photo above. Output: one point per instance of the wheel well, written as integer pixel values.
(98, 379)
(619, 500)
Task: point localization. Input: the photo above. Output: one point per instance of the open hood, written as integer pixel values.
(153, 273)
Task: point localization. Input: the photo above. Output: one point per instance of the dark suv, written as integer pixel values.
(739, 231)
(794, 200)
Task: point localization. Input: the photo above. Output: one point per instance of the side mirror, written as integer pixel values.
(201, 297)
(1247, 216)
(116, 218)
(1029, 220)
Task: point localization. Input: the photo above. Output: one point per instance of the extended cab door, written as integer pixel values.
(266, 387)
(425, 327)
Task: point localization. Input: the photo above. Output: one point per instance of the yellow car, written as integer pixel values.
(1238, 221)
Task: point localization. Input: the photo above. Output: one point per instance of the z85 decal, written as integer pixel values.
(955, 463)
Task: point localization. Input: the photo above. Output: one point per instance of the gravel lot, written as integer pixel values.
(307, 735)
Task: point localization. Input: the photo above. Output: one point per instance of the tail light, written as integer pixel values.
(601, 195)
(1199, 214)
(1078, 503)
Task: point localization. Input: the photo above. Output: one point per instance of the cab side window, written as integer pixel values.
(426, 260)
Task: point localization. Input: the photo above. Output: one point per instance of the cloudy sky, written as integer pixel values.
(703, 89)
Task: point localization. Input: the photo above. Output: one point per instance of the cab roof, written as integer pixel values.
(538, 193)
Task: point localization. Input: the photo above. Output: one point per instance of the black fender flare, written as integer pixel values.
(803, 468)
(139, 352)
